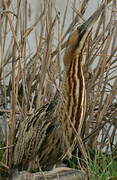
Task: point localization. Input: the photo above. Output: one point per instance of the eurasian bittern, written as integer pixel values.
(50, 132)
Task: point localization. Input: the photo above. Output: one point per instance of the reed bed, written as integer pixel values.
(31, 68)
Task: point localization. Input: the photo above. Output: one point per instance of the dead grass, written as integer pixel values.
(30, 70)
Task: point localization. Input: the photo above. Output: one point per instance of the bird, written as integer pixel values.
(56, 128)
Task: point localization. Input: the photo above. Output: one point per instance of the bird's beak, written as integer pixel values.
(86, 27)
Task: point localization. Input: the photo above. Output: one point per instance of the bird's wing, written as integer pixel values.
(31, 134)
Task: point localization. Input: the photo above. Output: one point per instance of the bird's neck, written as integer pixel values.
(73, 96)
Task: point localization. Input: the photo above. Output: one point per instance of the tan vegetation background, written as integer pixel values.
(31, 67)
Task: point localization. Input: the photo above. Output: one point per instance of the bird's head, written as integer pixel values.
(77, 39)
